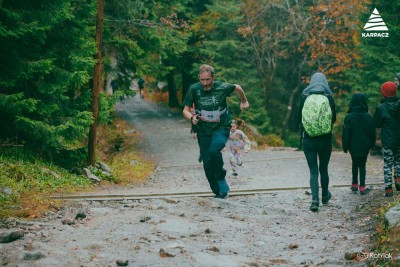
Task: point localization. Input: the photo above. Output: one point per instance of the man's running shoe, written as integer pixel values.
(221, 196)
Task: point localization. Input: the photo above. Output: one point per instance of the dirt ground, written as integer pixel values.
(271, 228)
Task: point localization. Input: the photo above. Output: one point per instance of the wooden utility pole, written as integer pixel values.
(96, 84)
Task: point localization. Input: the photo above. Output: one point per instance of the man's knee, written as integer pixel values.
(215, 151)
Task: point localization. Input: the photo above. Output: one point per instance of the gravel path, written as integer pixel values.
(274, 228)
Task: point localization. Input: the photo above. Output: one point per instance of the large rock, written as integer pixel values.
(10, 236)
(392, 217)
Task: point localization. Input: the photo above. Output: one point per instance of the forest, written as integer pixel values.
(59, 58)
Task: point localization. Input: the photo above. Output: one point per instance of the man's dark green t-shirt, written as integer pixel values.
(211, 105)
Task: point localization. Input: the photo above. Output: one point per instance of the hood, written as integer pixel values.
(318, 84)
(358, 103)
(392, 104)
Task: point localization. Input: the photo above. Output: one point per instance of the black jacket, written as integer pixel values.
(387, 117)
(359, 134)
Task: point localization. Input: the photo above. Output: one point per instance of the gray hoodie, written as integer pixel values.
(318, 84)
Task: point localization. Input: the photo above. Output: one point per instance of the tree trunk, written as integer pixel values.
(288, 112)
(185, 83)
(172, 94)
(96, 84)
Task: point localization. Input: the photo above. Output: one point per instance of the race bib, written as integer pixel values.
(210, 116)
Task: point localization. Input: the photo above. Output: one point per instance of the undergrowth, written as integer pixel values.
(118, 143)
(27, 182)
(386, 245)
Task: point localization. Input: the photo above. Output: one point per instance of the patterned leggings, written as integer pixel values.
(391, 161)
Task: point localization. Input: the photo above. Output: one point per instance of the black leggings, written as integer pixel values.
(318, 150)
(358, 164)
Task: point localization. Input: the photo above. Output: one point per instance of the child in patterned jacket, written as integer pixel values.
(239, 143)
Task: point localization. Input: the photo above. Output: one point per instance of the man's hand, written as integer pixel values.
(244, 105)
(195, 119)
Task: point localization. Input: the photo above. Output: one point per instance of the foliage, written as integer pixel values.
(380, 59)
(386, 240)
(138, 37)
(31, 181)
(222, 46)
(43, 89)
(118, 148)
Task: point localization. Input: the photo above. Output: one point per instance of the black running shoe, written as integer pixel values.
(314, 206)
(354, 188)
(364, 191)
(326, 199)
(397, 184)
(388, 192)
(221, 196)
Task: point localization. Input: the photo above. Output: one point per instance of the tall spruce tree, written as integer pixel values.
(46, 50)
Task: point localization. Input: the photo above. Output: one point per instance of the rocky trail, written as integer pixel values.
(269, 228)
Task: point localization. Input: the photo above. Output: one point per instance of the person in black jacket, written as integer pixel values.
(387, 118)
(397, 80)
(358, 137)
(318, 149)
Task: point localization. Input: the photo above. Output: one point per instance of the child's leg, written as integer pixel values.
(396, 163)
(232, 162)
(363, 171)
(387, 170)
(388, 158)
(239, 159)
(354, 170)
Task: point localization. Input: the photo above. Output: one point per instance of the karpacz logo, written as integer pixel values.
(375, 23)
(375, 34)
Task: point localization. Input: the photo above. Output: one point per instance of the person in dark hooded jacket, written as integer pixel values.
(318, 149)
(358, 137)
(397, 80)
(387, 117)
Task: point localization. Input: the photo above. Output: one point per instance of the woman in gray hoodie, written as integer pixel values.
(318, 147)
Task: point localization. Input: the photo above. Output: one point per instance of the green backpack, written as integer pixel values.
(316, 115)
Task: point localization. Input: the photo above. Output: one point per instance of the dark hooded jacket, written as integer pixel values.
(318, 85)
(358, 135)
(398, 76)
(387, 117)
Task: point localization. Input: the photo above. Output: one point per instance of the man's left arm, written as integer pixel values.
(243, 99)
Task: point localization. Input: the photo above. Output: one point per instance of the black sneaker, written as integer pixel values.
(314, 206)
(364, 191)
(388, 192)
(354, 188)
(326, 199)
(397, 184)
(221, 196)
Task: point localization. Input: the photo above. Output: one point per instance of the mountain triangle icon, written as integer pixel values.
(375, 22)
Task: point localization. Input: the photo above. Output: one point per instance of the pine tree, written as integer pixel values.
(46, 50)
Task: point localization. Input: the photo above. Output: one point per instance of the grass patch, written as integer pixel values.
(386, 240)
(118, 142)
(27, 182)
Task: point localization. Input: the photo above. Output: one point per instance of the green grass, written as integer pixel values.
(32, 181)
(386, 240)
